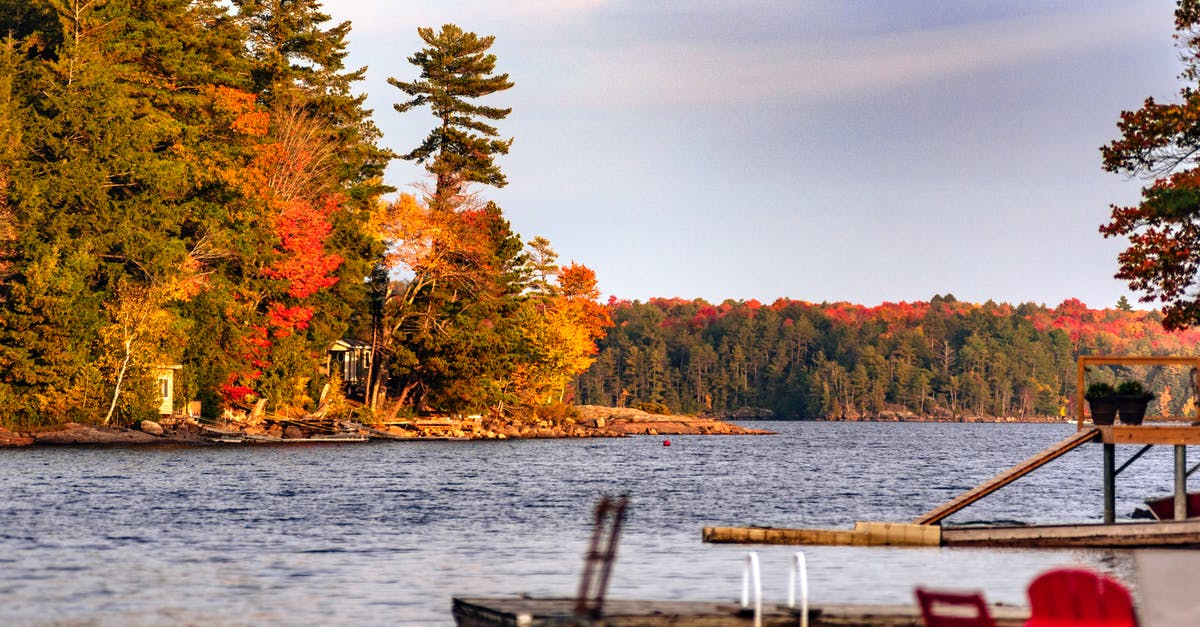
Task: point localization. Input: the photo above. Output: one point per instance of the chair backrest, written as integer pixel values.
(953, 609)
(1070, 596)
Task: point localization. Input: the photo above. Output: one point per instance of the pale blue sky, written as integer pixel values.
(851, 150)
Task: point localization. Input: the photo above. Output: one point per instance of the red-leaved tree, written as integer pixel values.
(1161, 142)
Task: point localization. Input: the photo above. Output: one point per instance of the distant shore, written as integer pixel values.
(892, 415)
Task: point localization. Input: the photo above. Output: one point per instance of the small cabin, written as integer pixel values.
(352, 359)
(165, 382)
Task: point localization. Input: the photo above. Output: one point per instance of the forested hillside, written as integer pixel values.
(939, 358)
(193, 186)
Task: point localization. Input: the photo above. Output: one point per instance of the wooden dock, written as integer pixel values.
(534, 612)
(1174, 534)
(1176, 431)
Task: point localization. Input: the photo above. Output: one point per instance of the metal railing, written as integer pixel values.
(797, 581)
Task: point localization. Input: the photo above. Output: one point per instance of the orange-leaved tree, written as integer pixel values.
(561, 324)
(279, 230)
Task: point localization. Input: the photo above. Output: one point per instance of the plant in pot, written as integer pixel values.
(1132, 399)
(1102, 401)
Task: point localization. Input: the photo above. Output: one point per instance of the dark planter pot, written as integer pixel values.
(1104, 410)
(1132, 409)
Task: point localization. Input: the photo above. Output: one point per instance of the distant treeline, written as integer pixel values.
(839, 360)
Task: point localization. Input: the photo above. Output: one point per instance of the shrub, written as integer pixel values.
(557, 412)
(652, 407)
(1131, 388)
(1099, 390)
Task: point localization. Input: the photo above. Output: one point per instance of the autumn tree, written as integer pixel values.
(456, 68)
(560, 323)
(278, 270)
(1161, 142)
(140, 324)
(449, 321)
(306, 175)
(105, 173)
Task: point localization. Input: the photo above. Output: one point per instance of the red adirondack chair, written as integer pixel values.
(953, 609)
(1070, 597)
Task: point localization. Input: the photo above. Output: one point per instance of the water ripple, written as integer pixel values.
(380, 534)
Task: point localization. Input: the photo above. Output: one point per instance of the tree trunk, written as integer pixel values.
(112, 407)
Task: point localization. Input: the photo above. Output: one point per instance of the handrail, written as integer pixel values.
(750, 570)
(1133, 360)
(799, 575)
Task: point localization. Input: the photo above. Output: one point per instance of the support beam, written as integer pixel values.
(1110, 481)
(1141, 451)
(1059, 449)
(1181, 512)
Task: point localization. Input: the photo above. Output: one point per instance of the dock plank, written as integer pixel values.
(863, 534)
(1182, 533)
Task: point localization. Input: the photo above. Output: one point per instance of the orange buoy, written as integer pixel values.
(666, 443)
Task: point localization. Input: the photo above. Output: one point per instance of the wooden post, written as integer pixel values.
(1181, 508)
(1110, 480)
(1079, 402)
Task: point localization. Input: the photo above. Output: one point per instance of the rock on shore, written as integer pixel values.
(8, 438)
(75, 433)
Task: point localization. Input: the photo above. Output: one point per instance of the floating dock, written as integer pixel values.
(927, 530)
(1174, 534)
(534, 612)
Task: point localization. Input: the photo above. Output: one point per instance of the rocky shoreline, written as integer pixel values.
(591, 422)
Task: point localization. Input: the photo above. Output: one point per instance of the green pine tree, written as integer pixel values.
(456, 69)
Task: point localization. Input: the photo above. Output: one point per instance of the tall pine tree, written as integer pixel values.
(456, 69)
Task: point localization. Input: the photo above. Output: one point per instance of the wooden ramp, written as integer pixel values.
(1060, 448)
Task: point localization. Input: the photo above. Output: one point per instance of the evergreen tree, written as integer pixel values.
(455, 69)
(105, 175)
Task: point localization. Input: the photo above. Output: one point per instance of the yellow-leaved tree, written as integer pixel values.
(562, 325)
(141, 324)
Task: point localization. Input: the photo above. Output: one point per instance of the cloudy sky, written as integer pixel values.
(853, 150)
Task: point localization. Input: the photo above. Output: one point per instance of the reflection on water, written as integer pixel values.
(388, 532)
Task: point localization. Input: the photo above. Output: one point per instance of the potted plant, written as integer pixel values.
(1132, 399)
(1102, 401)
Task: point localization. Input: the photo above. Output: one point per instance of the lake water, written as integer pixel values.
(387, 533)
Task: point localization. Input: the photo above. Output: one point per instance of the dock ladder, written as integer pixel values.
(797, 577)
(602, 552)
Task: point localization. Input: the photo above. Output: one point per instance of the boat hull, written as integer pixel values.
(1164, 508)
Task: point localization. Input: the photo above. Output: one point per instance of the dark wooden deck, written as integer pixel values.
(534, 612)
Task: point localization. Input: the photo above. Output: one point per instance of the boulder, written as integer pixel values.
(292, 432)
(151, 427)
(78, 434)
(8, 438)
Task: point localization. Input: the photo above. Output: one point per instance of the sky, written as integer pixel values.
(856, 150)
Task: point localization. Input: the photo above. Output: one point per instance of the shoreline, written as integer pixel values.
(592, 422)
(595, 422)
